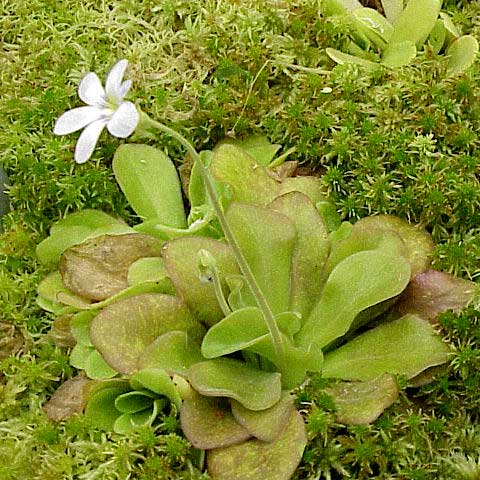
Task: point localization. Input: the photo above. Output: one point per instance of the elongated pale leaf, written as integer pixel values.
(406, 346)
(461, 54)
(254, 389)
(147, 269)
(122, 331)
(344, 58)
(248, 181)
(310, 186)
(398, 54)
(416, 21)
(360, 403)
(98, 268)
(173, 352)
(208, 423)
(76, 228)
(392, 9)
(259, 460)
(452, 30)
(266, 425)
(358, 282)
(310, 252)
(267, 240)
(181, 262)
(149, 180)
(242, 329)
(437, 36)
(375, 26)
(339, 7)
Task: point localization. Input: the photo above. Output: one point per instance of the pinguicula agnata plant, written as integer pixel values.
(222, 309)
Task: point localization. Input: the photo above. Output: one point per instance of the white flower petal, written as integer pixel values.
(114, 80)
(124, 88)
(91, 91)
(124, 121)
(87, 140)
(76, 119)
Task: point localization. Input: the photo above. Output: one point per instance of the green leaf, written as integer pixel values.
(360, 403)
(248, 181)
(149, 180)
(310, 186)
(80, 325)
(79, 356)
(339, 7)
(418, 243)
(242, 329)
(392, 9)
(196, 186)
(181, 262)
(344, 58)
(257, 146)
(259, 460)
(123, 330)
(358, 282)
(158, 381)
(374, 25)
(398, 54)
(208, 423)
(310, 253)
(461, 54)
(406, 347)
(452, 30)
(266, 425)
(100, 410)
(134, 401)
(416, 21)
(74, 229)
(147, 269)
(267, 240)
(96, 368)
(127, 423)
(98, 268)
(52, 288)
(254, 389)
(173, 352)
(437, 36)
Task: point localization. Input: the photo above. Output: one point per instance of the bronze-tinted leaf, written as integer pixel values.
(359, 403)
(207, 422)
(122, 330)
(68, 400)
(98, 268)
(266, 425)
(258, 460)
(431, 293)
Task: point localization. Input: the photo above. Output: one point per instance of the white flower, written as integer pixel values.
(106, 108)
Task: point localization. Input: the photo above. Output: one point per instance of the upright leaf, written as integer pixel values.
(358, 282)
(461, 54)
(149, 180)
(392, 9)
(406, 347)
(267, 240)
(310, 252)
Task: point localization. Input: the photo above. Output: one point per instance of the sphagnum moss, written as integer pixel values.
(403, 142)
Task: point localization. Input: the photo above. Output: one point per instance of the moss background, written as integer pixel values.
(404, 142)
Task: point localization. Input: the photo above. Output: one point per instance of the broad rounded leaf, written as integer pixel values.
(208, 423)
(398, 54)
(406, 346)
(76, 228)
(461, 54)
(149, 180)
(254, 389)
(360, 403)
(98, 268)
(122, 330)
(266, 425)
(258, 460)
(257, 146)
(96, 368)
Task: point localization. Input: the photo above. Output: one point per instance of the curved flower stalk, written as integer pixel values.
(106, 107)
